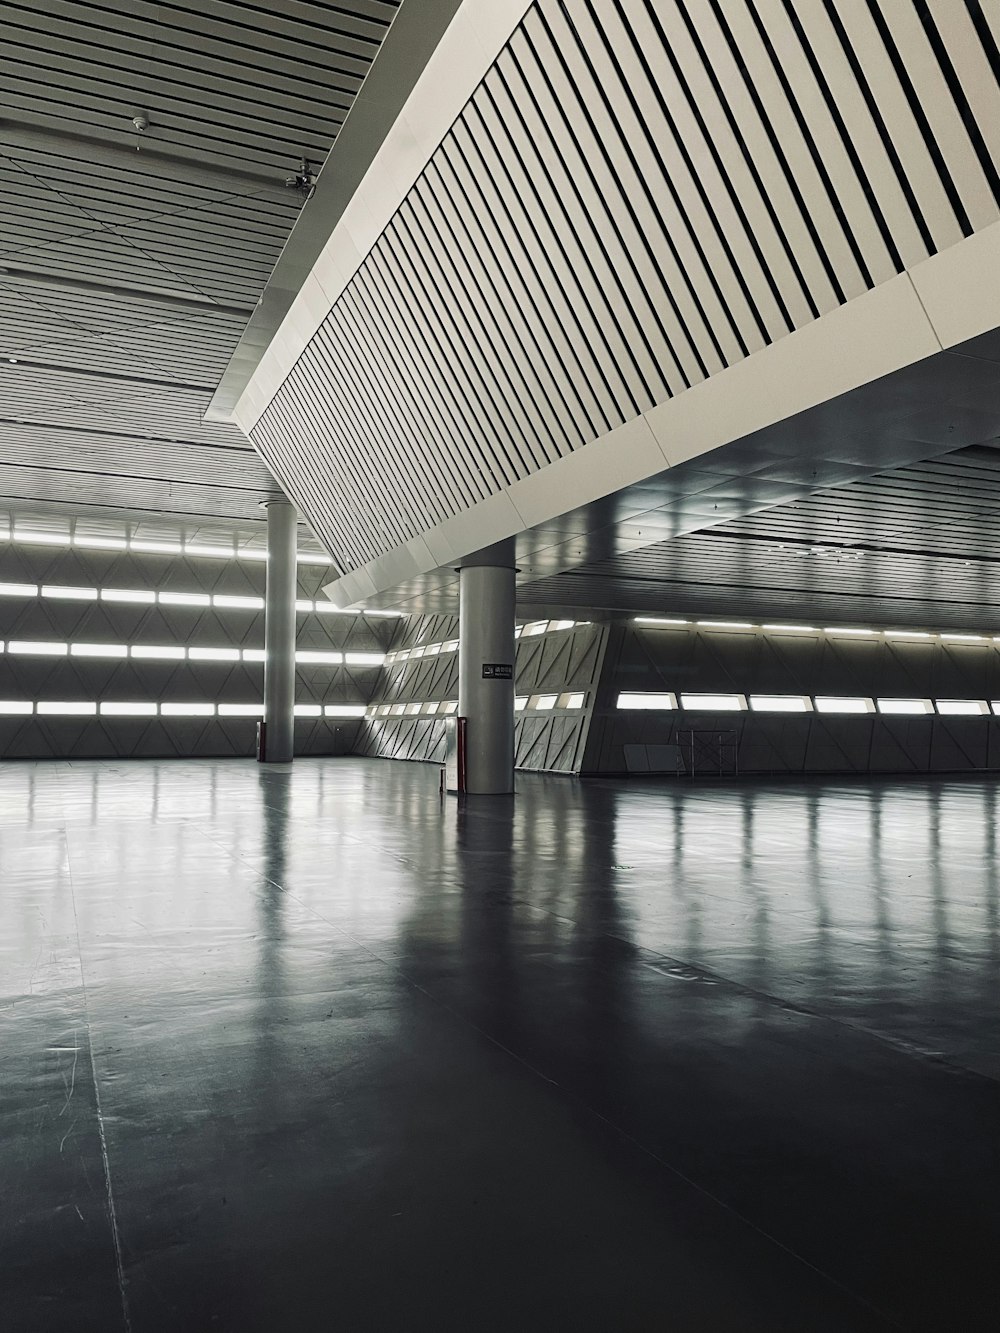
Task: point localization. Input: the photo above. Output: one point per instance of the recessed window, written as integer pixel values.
(905, 706)
(413, 708)
(38, 647)
(543, 702)
(535, 628)
(450, 706)
(319, 658)
(714, 703)
(561, 624)
(845, 704)
(450, 647)
(127, 595)
(384, 710)
(16, 707)
(234, 603)
(66, 708)
(397, 710)
(158, 652)
(431, 707)
(571, 700)
(241, 710)
(98, 650)
(71, 594)
(962, 707)
(432, 650)
(214, 654)
(520, 703)
(125, 709)
(652, 701)
(781, 703)
(308, 710)
(187, 710)
(18, 589)
(185, 599)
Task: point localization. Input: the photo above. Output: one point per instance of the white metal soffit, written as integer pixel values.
(130, 260)
(634, 198)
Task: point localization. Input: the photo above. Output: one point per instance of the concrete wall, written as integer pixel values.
(37, 678)
(561, 662)
(644, 659)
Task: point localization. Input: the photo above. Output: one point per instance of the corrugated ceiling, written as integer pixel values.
(129, 264)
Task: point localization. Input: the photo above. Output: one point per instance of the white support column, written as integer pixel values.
(279, 632)
(486, 648)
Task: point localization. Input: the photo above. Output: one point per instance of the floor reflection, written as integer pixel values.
(782, 992)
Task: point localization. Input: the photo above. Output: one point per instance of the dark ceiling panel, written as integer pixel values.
(918, 546)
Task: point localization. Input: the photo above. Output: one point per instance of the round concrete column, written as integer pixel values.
(486, 670)
(279, 633)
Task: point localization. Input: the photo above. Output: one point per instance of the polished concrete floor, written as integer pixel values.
(312, 1049)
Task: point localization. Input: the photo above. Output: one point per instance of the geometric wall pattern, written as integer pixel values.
(645, 659)
(69, 678)
(556, 663)
(635, 197)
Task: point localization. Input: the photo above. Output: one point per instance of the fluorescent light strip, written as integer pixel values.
(791, 629)
(102, 543)
(184, 599)
(905, 707)
(308, 656)
(842, 704)
(69, 593)
(37, 648)
(724, 624)
(213, 654)
(136, 709)
(158, 653)
(234, 603)
(18, 589)
(962, 707)
(65, 708)
(98, 650)
(16, 707)
(241, 710)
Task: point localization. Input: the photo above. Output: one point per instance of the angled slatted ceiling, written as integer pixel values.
(128, 266)
(635, 197)
(916, 546)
